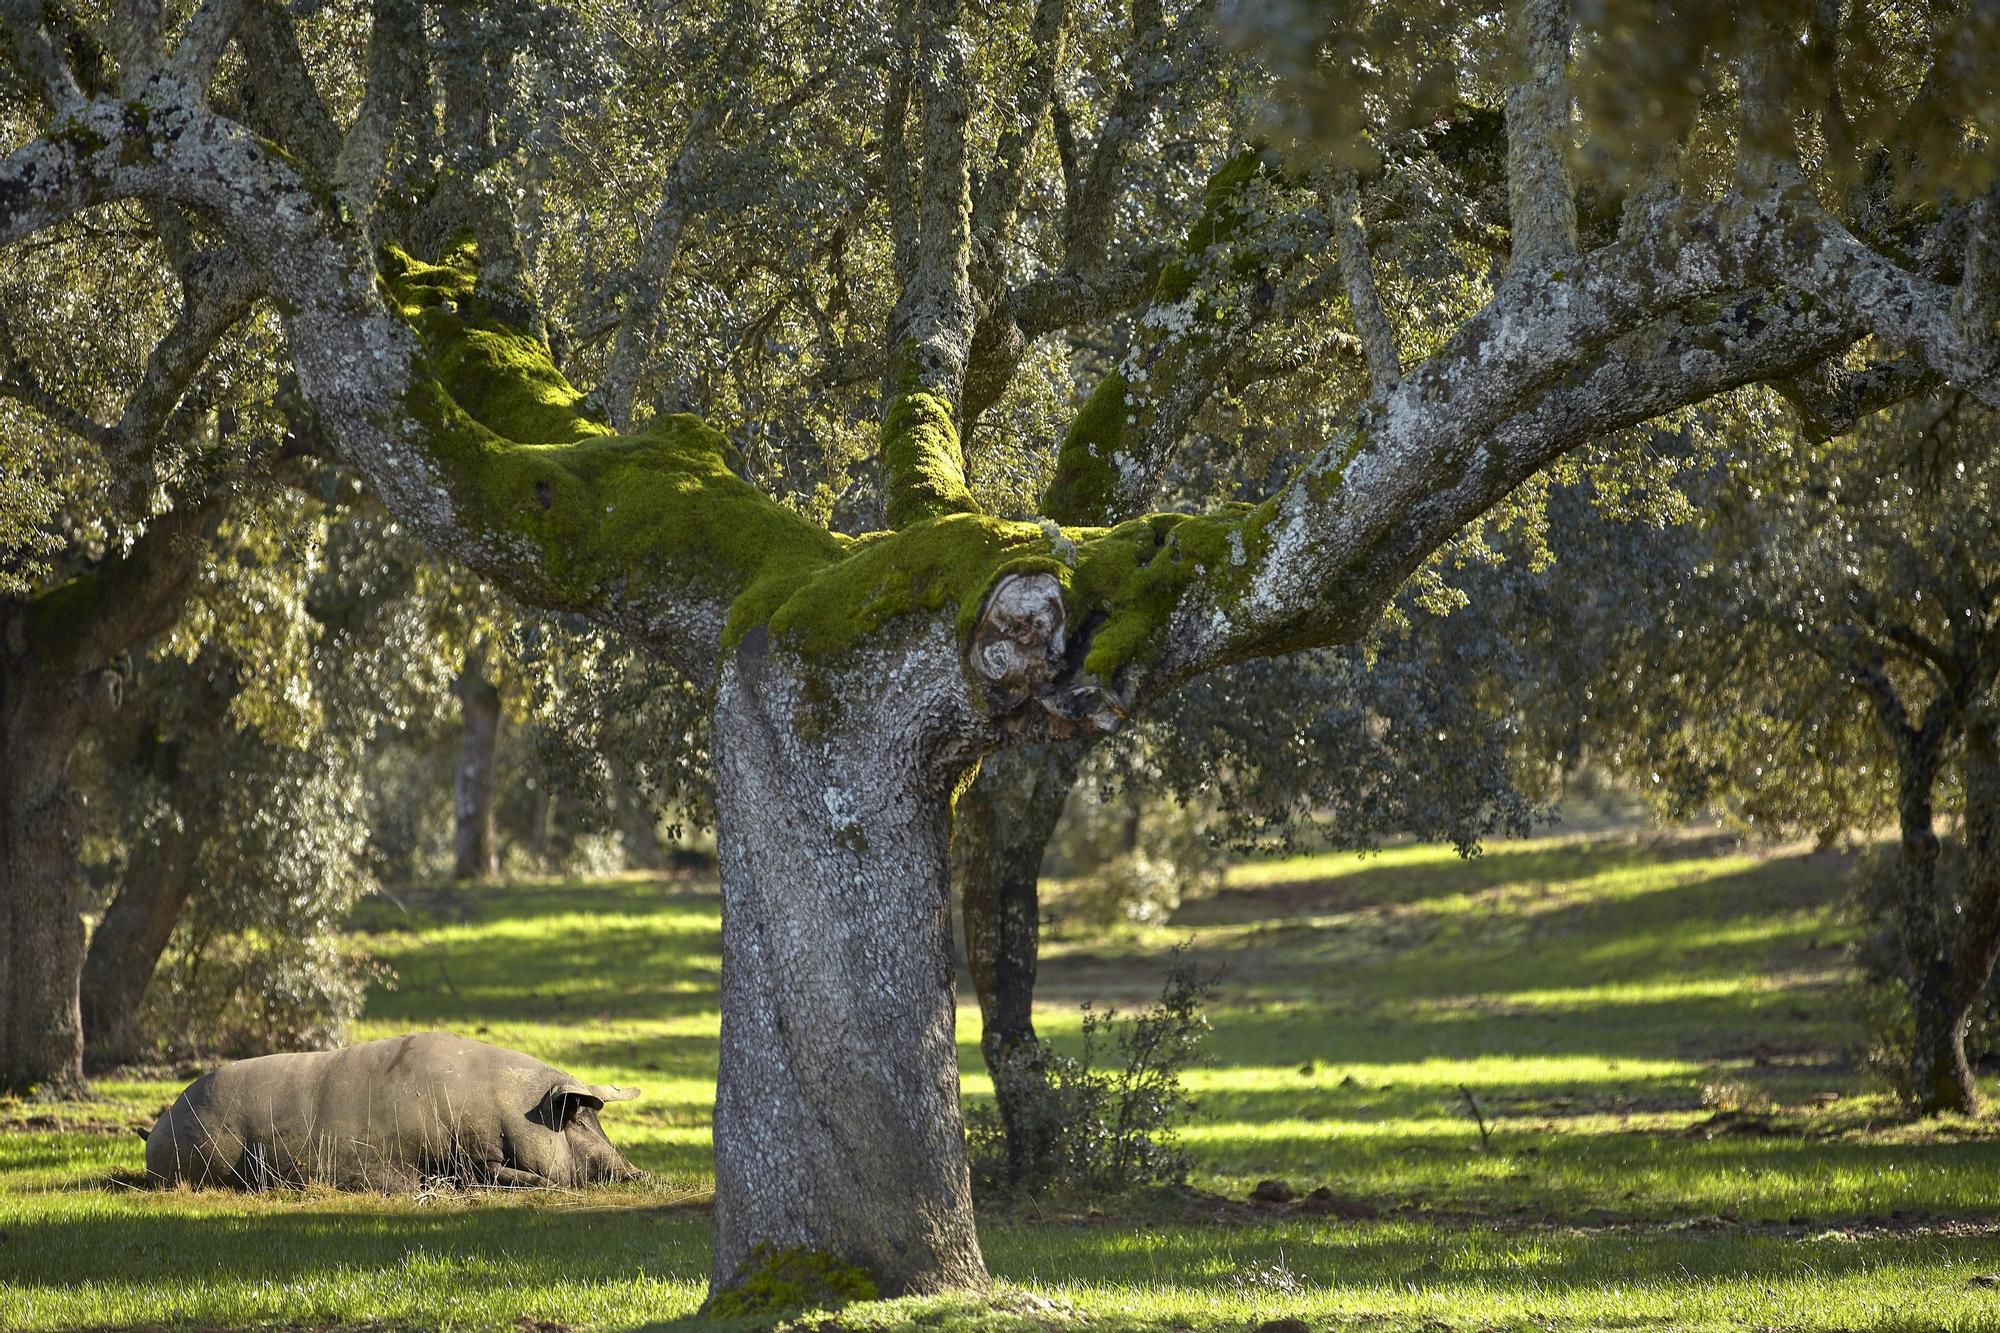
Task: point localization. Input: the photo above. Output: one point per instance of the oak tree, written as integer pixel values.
(1802, 189)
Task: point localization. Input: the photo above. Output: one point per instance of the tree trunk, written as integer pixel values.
(543, 816)
(1969, 961)
(477, 850)
(1005, 820)
(55, 680)
(41, 921)
(1938, 1077)
(837, 1125)
(125, 949)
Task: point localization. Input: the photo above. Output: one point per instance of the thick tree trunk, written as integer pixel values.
(55, 679)
(476, 847)
(41, 922)
(1005, 820)
(125, 949)
(837, 1124)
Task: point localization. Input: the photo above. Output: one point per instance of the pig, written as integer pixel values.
(388, 1115)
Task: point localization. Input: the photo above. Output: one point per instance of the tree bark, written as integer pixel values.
(41, 925)
(1005, 820)
(56, 678)
(477, 848)
(837, 1124)
(125, 949)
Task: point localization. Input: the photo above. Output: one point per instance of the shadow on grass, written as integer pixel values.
(510, 1248)
(284, 1242)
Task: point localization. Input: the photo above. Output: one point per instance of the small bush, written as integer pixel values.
(1094, 1128)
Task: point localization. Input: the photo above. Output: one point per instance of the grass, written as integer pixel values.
(1657, 1038)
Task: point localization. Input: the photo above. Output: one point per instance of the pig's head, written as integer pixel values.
(572, 1150)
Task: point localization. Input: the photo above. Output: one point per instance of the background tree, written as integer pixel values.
(1829, 656)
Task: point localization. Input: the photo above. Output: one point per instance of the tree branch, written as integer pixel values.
(1000, 193)
(31, 51)
(1975, 310)
(1316, 561)
(1541, 197)
(203, 39)
(930, 330)
(645, 284)
(1904, 309)
(1089, 205)
(1831, 399)
(279, 99)
(469, 433)
(394, 80)
(898, 188)
(1357, 272)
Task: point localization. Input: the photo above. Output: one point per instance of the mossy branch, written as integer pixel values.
(603, 515)
(923, 459)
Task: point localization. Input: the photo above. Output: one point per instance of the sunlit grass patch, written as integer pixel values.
(1678, 1134)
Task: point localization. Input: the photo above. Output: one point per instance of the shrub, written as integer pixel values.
(1095, 1128)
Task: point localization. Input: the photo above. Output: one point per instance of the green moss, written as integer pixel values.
(924, 461)
(1085, 487)
(1129, 579)
(609, 511)
(780, 1281)
(521, 456)
(63, 611)
(934, 564)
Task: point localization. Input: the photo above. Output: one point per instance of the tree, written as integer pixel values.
(476, 847)
(1831, 651)
(228, 801)
(59, 675)
(855, 681)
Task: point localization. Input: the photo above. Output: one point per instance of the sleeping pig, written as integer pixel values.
(388, 1115)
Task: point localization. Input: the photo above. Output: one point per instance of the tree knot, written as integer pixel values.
(1020, 652)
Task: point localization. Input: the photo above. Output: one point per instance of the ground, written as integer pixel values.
(1658, 1036)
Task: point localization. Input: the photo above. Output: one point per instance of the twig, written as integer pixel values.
(1485, 1133)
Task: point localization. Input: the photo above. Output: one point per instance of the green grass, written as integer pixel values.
(1597, 1000)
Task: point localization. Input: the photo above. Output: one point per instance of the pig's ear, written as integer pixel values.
(564, 1100)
